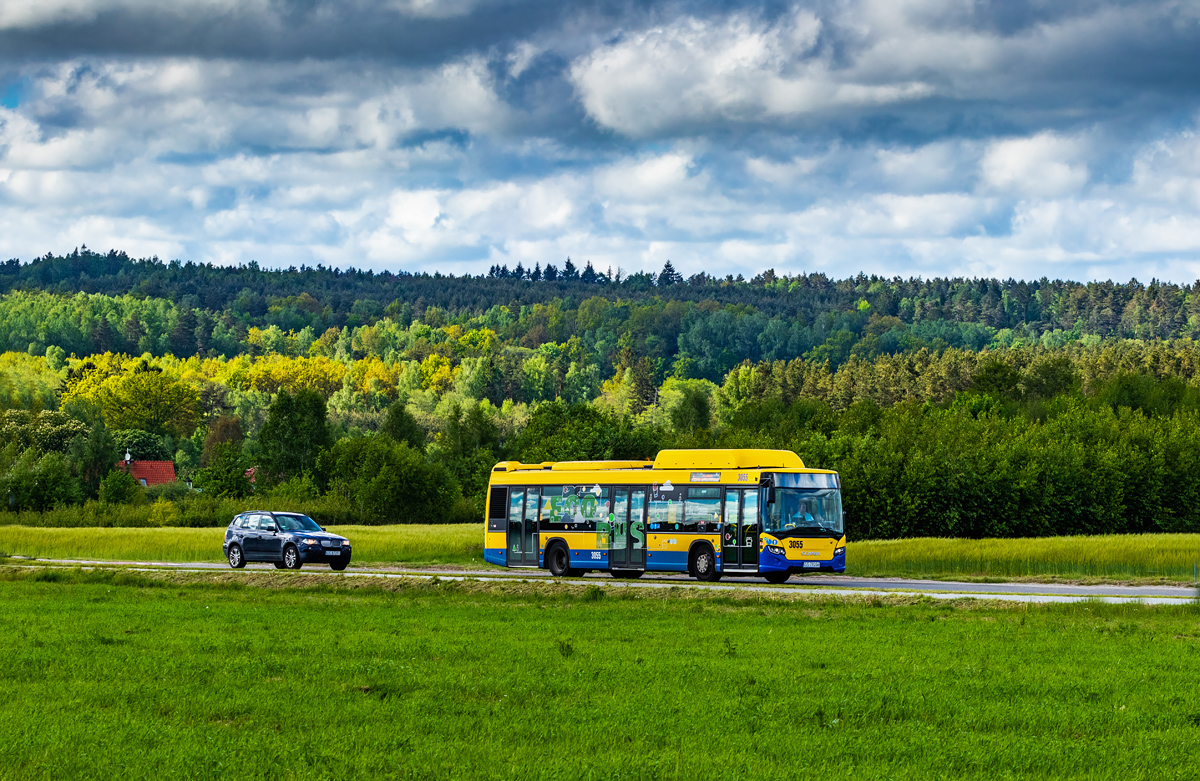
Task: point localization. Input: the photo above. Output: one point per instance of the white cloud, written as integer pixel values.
(733, 69)
(783, 174)
(651, 178)
(1043, 165)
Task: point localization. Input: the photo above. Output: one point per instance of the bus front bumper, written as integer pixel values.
(773, 562)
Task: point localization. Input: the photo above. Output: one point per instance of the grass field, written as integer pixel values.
(110, 675)
(449, 544)
(1113, 557)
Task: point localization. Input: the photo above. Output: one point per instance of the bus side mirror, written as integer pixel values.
(768, 483)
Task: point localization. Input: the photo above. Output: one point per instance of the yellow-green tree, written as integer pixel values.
(150, 401)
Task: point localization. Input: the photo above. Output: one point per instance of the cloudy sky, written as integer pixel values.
(1010, 138)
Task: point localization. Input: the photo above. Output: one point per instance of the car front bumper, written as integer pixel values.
(315, 554)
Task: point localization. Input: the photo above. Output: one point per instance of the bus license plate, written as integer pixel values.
(812, 563)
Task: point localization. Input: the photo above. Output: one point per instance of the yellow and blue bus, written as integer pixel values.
(703, 512)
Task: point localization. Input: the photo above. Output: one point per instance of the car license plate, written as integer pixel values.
(333, 553)
(812, 563)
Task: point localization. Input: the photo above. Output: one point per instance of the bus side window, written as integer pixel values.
(702, 513)
(498, 508)
(664, 512)
(516, 504)
(552, 509)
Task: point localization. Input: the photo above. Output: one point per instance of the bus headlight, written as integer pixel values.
(839, 551)
(778, 551)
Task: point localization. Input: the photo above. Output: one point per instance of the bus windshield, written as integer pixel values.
(804, 510)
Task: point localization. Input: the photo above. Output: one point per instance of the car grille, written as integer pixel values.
(331, 543)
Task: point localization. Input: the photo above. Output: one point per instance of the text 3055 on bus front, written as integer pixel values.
(704, 512)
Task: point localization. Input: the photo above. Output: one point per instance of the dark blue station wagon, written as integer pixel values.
(287, 540)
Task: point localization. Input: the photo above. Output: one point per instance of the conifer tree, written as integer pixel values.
(669, 276)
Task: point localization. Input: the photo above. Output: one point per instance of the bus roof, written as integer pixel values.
(673, 459)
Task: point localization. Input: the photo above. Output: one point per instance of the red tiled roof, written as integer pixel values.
(153, 472)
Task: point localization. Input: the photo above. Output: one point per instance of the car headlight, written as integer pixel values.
(310, 542)
(778, 551)
(839, 551)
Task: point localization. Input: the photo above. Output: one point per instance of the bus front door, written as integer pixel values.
(627, 540)
(739, 536)
(522, 527)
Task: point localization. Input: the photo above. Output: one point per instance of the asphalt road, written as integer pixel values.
(809, 584)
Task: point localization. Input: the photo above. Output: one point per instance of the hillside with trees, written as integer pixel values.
(951, 406)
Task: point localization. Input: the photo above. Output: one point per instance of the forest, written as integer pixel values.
(952, 407)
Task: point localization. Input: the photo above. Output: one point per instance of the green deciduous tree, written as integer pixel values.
(293, 437)
(149, 400)
(225, 474)
(33, 481)
(401, 426)
(693, 413)
(140, 445)
(119, 487)
(225, 429)
(577, 432)
(388, 482)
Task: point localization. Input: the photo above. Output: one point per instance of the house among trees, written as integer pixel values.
(148, 473)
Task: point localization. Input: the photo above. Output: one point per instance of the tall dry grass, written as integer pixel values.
(1172, 556)
(410, 544)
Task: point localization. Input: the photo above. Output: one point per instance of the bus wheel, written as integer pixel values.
(704, 565)
(777, 577)
(558, 559)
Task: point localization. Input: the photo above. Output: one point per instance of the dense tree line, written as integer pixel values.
(217, 304)
(1004, 443)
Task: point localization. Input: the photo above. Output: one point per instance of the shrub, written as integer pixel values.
(174, 491)
(119, 487)
(225, 474)
(164, 513)
(300, 488)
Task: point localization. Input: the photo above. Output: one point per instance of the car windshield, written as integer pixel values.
(296, 523)
(804, 510)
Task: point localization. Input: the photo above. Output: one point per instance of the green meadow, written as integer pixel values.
(410, 544)
(1101, 557)
(287, 675)
(1168, 557)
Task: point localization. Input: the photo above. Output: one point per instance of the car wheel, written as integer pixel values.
(237, 559)
(279, 565)
(558, 560)
(291, 558)
(338, 566)
(777, 577)
(627, 573)
(704, 565)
